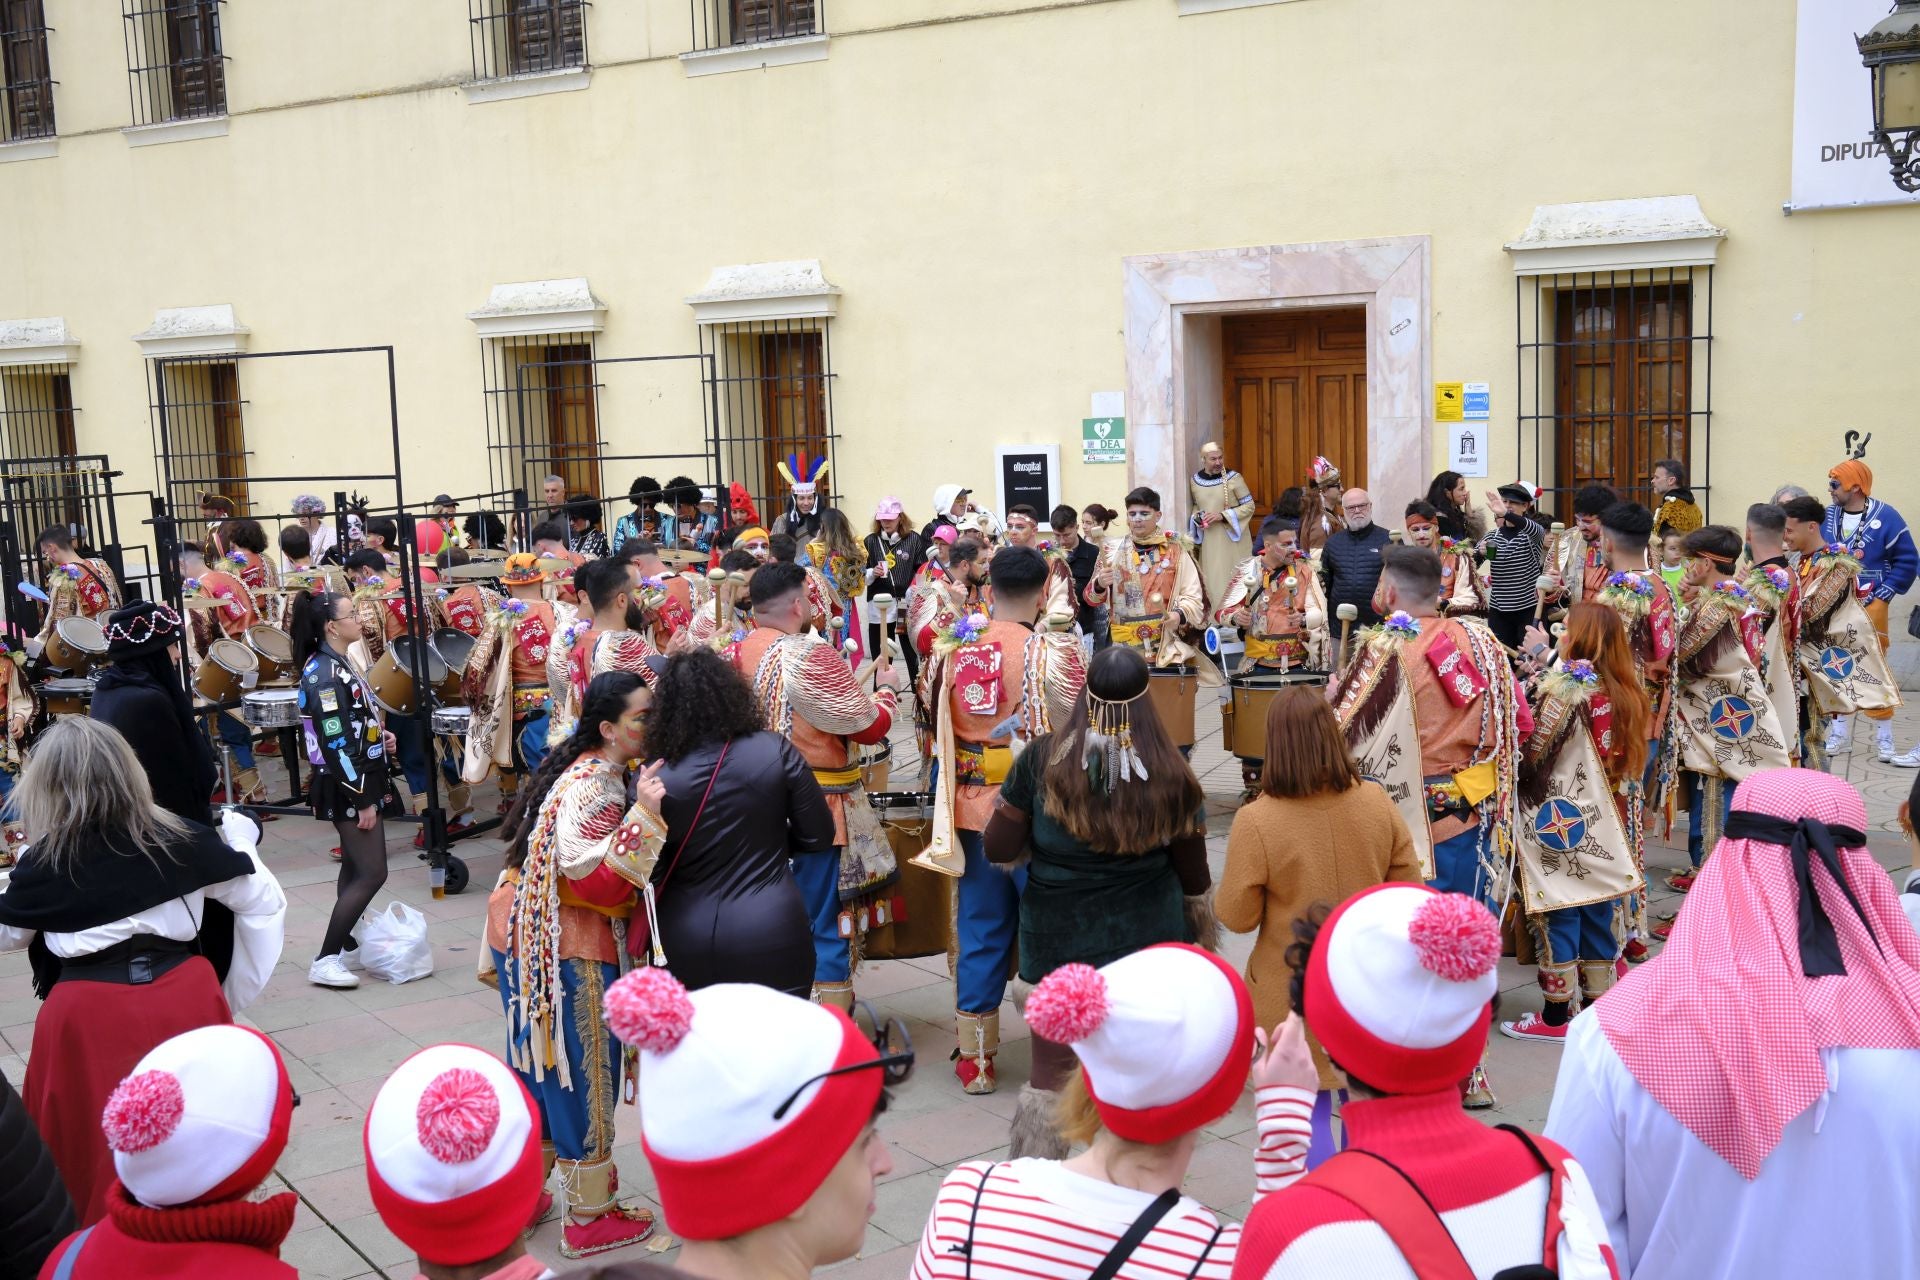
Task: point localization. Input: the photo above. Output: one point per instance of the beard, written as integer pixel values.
(1357, 523)
(636, 617)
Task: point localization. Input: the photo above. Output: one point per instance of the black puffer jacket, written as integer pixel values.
(1350, 563)
(35, 1211)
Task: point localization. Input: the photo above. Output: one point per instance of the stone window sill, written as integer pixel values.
(1188, 8)
(29, 149)
(187, 130)
(755, 57)
(531, 85)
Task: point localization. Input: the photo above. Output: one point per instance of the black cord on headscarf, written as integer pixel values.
(1803, 839)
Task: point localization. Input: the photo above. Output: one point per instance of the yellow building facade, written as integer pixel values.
(913, 232)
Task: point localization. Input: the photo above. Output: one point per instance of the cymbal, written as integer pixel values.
(683, 557)
(554, 564)
(485, 553)
(205, 604)
(482, 570)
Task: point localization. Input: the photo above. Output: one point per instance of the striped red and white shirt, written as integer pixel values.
(1039, 1219)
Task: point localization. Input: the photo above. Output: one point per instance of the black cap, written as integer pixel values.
(442, 500)
(1516, 493)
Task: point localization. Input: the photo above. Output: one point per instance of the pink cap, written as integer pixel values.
(945, 533)
(889, 508)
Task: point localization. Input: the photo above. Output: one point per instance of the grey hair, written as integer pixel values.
(1787, 492)
(82, 780)
(559, 480)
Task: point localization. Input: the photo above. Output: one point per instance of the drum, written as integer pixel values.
(451, 722)
(920, 913)
(72, 696)
(274, 648)
(75, 645)
(453, 647)
(228, 669)
(1243, 716)
(271, 708)
(876, 767)
(1173, 693)
(392, 678)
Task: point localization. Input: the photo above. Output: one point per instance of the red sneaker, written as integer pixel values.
(1531, 1026)
(617, 1228)
(1635, 951)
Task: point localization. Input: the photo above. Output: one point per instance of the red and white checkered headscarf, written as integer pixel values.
(1723, 1028)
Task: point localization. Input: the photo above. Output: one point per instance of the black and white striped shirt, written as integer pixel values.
(1518, 555)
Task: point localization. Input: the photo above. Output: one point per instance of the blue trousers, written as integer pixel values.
(1456, 866)
(1580, 933)
(1697, 811)
(526, 1077)
(579, 1120)
(989, 928)
(818, 875)
(533, 740)
(237, 738)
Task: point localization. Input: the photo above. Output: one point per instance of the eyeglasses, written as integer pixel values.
(1357, 507)
(890, 1038)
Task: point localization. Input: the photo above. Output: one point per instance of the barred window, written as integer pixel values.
(37, 439)
(175, 69)
(775, 397)
(1616, 373)
(205, 431)
(26, 76)
(720, 23)
(522, 37)
(543, 412)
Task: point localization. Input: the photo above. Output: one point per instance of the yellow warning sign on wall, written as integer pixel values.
(1449, 401)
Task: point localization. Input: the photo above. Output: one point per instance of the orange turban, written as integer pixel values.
(1853, 472)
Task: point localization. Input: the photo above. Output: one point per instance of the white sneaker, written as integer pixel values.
(1911, 760)
(351, 959)
(1883, 741)
(1839, 739)
(332, 971)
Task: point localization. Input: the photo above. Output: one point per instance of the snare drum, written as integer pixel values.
(1173, 693)
(229, 669)
(920, 918)
(271, 708)
(274, 648)
(1243, 716)
(451, 722)
(69, 697)
(75, 645)
(453, 647)
(392, 678)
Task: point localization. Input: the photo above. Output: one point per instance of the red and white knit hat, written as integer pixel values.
(453, 1154)
(202, 1118)
(1400, 986)
(1164, 1035)
(715, 1064)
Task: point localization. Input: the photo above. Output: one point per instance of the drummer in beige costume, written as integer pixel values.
(1222, 515)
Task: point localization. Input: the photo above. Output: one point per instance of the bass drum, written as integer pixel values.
(453, 647)
(1173, 692)
(274, 648)
(392, 678)
(1243, 716)
(229, 669)
(75, 645)
(921, 913)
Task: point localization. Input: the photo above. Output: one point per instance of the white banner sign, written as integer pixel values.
(1836, 162)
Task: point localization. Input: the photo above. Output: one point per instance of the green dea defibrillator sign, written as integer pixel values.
(1103, 439)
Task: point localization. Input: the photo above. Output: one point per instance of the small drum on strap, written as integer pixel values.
(452, 722)
(274, 648)
(920, 915)
(1243, 716)
(229, 669)
(1173, 691)
(392, 678)
(70, 696)
(453, 647)
(75, 646)
(876, 767)
(271, 708)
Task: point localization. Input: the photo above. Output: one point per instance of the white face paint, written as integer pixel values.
(757, 548)
(1142, 520)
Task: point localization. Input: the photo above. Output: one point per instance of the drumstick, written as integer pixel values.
(1541, 585)
(1156, 603)
(1347, 613)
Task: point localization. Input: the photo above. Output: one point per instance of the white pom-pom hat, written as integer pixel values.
(1400, 986)
(201, 1118)
(453, 1154)
(1165, 1037)
(715, 1066)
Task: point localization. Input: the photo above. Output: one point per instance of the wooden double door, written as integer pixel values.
(1295, 387)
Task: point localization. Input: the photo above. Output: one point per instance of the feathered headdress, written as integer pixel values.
(801, 474)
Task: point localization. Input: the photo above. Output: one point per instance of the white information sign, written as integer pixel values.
(1467, 448)
(1836, 162)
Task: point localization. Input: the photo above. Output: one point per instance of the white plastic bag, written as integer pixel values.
(394, 946)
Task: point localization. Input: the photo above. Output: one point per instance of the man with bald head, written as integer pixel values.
(1350, 562)
(1222, 519)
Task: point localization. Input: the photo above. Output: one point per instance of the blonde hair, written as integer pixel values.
(82, 780)
(1074, 1116)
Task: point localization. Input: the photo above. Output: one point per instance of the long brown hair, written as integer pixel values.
(1306, 751)
(1313, 506)
(1132, 816)
(1596, 634)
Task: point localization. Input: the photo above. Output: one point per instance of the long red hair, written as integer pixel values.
(1596, 634)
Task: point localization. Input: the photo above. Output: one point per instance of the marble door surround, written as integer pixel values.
(1174, 302)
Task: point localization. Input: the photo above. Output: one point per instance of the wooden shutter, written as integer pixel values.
(793, 397)
(195, 71)
(756, 20)
(572, 426)
(544, 35)
(229, 434)
(24, 68)
(1623, 379)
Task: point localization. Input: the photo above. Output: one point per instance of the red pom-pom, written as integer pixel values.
(1455, 937)
(458, 1115)
(143, 1111)
(649, 1008)
(1069, 1004)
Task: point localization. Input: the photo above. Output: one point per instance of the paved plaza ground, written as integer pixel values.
(339, 1046)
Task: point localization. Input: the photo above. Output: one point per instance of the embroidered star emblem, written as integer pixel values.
(1559, 825)
(1731, 718)
(1836, 662)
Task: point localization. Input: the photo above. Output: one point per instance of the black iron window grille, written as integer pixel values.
(1615, 373)
(37, 422)
(26, 75)
(775, 397)
(524, 37)
(206, 430)
(718, 24)
(175, 70)
(542, 399)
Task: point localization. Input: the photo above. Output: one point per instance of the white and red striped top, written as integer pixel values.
(1039, 1219)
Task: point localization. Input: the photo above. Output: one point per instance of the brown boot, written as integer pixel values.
(835, 995)
(1479, 1095)
(509, 790)
(247, 783)
(979, 1041)
(1596, 979)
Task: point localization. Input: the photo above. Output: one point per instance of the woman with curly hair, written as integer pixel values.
(740, 803)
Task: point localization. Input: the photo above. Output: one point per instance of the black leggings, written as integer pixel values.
(908, 653)
(363, 869)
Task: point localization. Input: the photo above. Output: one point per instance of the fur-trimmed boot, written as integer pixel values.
(979, 1041)
(593, 1219)
(835, 995)
(1032, 1132)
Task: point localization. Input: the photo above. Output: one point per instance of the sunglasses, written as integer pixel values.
(889, 1038)
(1833, 484)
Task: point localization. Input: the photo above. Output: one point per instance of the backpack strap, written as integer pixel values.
(1552, 1158)
(1382, 1192)
(71, 1258)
